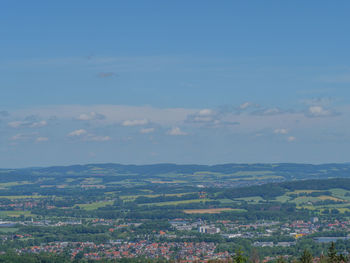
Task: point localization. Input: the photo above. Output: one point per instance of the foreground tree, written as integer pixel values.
(281, 260)
(306, 257)
(254, 257)
(332, 254)
(239, 257)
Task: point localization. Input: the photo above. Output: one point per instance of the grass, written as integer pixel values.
(226, 201)
(283, 198)
(327, 197)
(340, 193)
(212, 210)
(133, 197)
(253, 199)
(94, 205)
(14, 213)
(70, 180)
(303, 191)
(178, 202)
(22, 196)
(92, 180)
(308, 207)
(8, 229)
(341, 207)
(343, 210)
(168, 182)
(305, 199)
(252, 173)
(9, 184)
(251, 178)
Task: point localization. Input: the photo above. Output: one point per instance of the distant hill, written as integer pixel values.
(321, 196)
(230, 175)
(308, 187)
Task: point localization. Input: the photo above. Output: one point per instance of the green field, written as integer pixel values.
(133, 197)
(8, 229)
(252, 199)
(94, 205)
(303, 200)
(213, 210)
(9, 184)
(22, 196)
(283, 198)
(178, 202)
(227, 201)
(14, 213)
(341, 193)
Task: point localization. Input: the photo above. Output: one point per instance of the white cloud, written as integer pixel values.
(25, 136)
(85, 136)
(251, 120)
(291, 139)
(112, 113)
(204, 116)
(280, 131)
(38, 124)
(147, 130)
(322, 101)
(135, 122)
(205, 112)
(90, 116)
(77, 133)
(245, 105)
(42, 139)
(15, 124)
(176, 131)
(318, 111)
(20, 124)
(97, 138)
(268, 111)
(19, 136)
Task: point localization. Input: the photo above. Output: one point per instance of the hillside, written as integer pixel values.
(227, 175)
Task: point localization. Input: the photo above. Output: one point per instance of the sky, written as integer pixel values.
(205, 82)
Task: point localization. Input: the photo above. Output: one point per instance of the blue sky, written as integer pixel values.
(181, 81)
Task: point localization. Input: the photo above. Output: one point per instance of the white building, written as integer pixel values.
(209, 230)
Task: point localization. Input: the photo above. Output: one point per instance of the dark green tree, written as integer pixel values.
(306, 257)
(254, 256)
(239, 257)
(281, 260)
(332, 254)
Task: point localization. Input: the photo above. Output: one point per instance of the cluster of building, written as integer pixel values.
(262, 229)
(272, 244)
(185, 251)
(160, 244)
(209, 229)
(301, 228)
(17, 204)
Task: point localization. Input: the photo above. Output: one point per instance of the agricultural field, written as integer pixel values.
(118, 190)
(133, 197)
(4, 214)
(227, 175)
(8, 230)
(112, 202)
(94, 205)
(212, 210)
(174, 203)
(12, 197)
(9, 184)
(251, 199)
